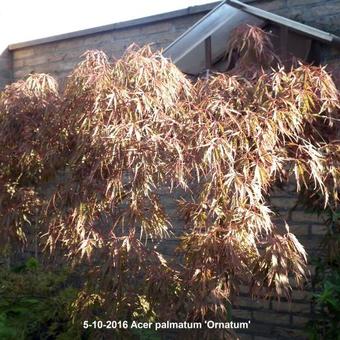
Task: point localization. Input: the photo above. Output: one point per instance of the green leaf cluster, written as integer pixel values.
(34, 303)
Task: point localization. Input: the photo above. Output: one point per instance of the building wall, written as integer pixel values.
(269, 319)
(59, 57)
(322, 14)
(272, 319)
(5, 68)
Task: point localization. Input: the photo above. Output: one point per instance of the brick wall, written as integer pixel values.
(269, 318)
(5, 68)
(60, 54)
(59, 57)
(272, 319)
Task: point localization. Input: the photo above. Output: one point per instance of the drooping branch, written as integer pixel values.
(91, 161)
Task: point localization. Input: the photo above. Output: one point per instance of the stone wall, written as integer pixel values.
(321, 14)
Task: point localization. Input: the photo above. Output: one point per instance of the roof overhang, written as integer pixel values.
(188, 51)
(205, 42)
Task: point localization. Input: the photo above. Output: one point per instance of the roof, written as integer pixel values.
(189, 51)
